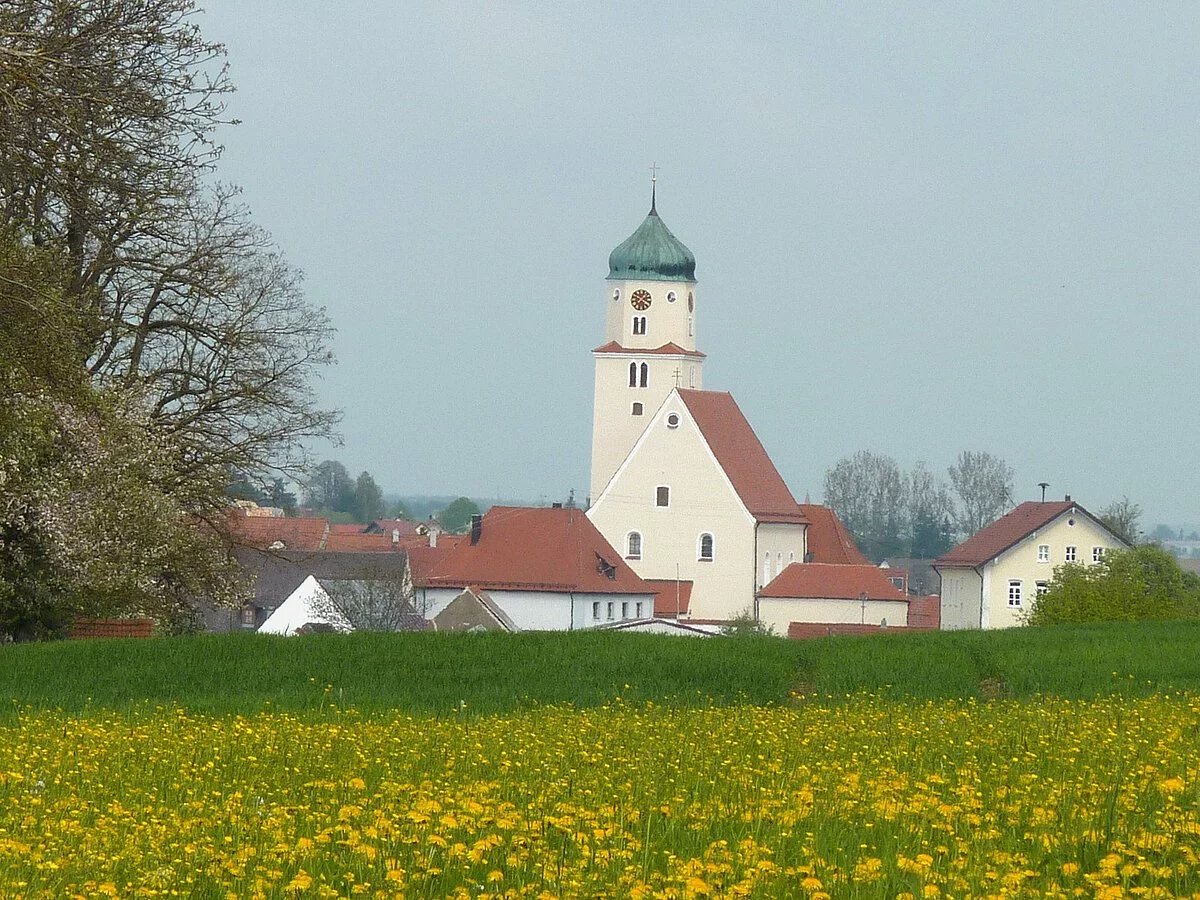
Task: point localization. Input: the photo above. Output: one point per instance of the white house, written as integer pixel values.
(546, 569)
(991, 579)
(826, 594)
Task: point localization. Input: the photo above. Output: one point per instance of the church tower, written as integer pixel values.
(649, 341)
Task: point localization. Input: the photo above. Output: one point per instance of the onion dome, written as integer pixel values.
(652, 253)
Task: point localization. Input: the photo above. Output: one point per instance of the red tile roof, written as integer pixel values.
(741, 454)
(262, 531)
(671, 349)
(825, 581)
(361, 543)
(668, 600)
(423, 559)
(352, 528)
(1007, 531)
(387, 526)
(828, 539)
(537, 549)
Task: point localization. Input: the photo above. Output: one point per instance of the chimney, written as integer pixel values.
(1067, 498)
(395, 537)
(433, 538)
(476, 529)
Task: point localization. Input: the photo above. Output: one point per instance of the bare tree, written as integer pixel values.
(983, 485)
(869, 495)
(379, 601)
(929, 511)
(1123, 518)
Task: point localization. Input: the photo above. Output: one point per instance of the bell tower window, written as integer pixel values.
(633, 374)
(639, 324)
(645, 375)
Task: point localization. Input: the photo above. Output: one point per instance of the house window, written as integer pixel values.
(633, 374)
(1069, 556)
(624, 609)
(1097, 554)
(634, 545)
(639, 324)
(645, 373)
(248, 615)
(596, 610)
(609, 610)
(637, 409)
(1043, 587)
(1014, 592)
(706, 547)
(1043, 553)
(662, 496)
(638, 606)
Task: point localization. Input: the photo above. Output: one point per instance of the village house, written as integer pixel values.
(991, 579)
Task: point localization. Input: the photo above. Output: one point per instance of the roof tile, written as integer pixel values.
(1005, 532)
(826, 581)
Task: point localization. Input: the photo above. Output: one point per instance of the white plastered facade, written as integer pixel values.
(549, 610)
(778, 613)
(979, 597)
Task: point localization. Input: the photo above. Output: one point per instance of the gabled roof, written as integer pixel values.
(305, 533)
(308, 604)
(387, 526)
(668, 349)
(277, 574)
(671, 598)
(484, 600)
(741, 455)
(1008, 531)
(827, 538)
(537, 549)
(826, 581)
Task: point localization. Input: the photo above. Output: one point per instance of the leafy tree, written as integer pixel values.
(368, 498)
(457, 516)
(929, 510)
(108, 117)
(1162, 533)
(1142, 583)
(983, 484)
(869, 495)
(744, 625)
(95, 516)
(400, 511)
(1122, 517)
(330, 487)
(279, 496)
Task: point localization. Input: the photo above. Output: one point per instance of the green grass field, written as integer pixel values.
(495, 673)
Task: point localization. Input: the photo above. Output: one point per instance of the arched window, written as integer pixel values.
(645, 374)
(766, 579)
(633, 545)
(639, 324)
(633, 374)
(706, 547)
(637, 409)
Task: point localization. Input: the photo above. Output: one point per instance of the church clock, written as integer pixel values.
(640, 300)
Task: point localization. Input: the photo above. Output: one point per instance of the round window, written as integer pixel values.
(616, 293)
(1071, 522)
(673, 420)
(670, 296)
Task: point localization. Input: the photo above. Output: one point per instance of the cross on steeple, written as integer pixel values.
(653, 183)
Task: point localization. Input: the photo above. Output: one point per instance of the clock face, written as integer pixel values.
(640, 300)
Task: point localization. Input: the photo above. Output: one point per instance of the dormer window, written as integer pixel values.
(605, 568)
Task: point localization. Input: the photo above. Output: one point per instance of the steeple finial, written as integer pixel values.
(653, 186)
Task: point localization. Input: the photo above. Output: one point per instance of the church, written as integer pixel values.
(681, 486)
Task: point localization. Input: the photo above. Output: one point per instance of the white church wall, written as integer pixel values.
(779, 545)
(666, 321)
(777, 613)
(701, 501)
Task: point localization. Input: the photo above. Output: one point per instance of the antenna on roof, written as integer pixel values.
(1043, 485)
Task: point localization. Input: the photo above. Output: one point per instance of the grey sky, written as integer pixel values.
(919, 228)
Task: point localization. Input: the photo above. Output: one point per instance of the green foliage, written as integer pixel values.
(744, 625)
(434, 672)
(457, 516)
(368, 499)
(1144, 583)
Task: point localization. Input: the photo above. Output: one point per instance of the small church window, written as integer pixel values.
(689, 326)
(639, 324)
(691, 302)
(673, 420)
(766, 579)
(691, 376)
(616, 293)
(645, 373)
(662, 496)
(633, 374)
(670, 296)
(706, 547)
(633, 544)
(637, 409)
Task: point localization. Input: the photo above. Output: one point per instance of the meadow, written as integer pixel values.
(676, 769)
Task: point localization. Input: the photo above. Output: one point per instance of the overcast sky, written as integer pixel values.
(919, 228)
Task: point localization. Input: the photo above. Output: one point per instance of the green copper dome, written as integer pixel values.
(652, 253)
